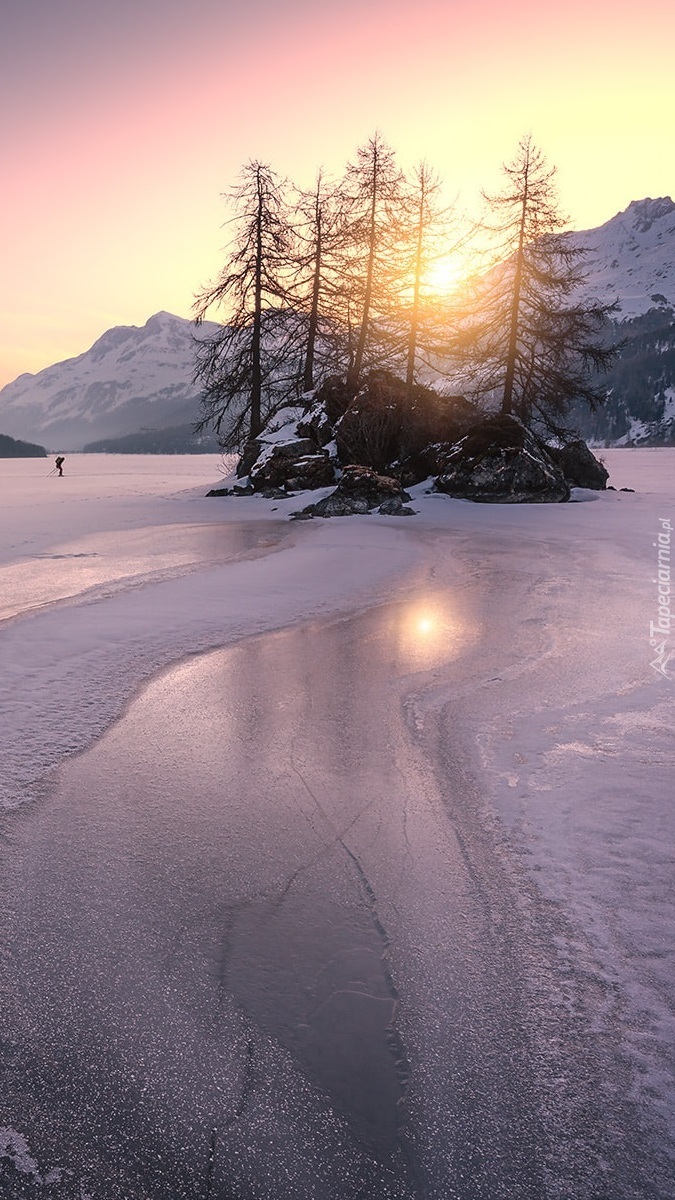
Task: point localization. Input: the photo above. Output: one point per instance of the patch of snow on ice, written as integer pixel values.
(14, 1147)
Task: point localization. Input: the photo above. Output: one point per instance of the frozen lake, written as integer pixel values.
(337, 856)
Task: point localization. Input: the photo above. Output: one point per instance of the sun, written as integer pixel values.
(444, 275)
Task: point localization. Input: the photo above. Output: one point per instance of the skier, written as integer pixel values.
(59, 464)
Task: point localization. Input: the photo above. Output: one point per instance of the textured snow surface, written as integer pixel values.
(123, 567)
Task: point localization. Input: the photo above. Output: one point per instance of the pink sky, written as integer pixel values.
(121, 125)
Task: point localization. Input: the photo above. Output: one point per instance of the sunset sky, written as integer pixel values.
(123, 123)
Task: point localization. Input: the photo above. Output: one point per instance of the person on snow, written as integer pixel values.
(59, 464)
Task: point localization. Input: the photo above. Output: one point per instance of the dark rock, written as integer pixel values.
(434, 419)
(274, 494)
(395, 507)
(579, 465)
(359, 491)
(363, 481)
(312, 471)
(237, 490)
(276, 462)
(428, 462)
(339, 506)
(391, 507)
(368, 432)
(334, 397)
(289, 452)
(249, 455)
(500, 461)
(316, 425)
(381, 429)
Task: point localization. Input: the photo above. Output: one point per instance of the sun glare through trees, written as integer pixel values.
(372, 271)
(444, 276)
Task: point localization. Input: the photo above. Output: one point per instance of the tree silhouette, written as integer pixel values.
(430, 236)
(528, 340)
(247, 368)
(318, 226)
(371, 269)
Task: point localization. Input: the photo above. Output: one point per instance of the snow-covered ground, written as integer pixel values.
(548, 678)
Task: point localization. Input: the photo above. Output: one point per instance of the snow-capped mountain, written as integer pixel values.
(631, 258)
(131, 378)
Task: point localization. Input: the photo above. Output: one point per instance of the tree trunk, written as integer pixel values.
(415, 314)
(256, 368)
(308, 376)
(354, 374)
(507, 399)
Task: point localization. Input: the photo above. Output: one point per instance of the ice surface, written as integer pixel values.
(543, 677)
(84, 550)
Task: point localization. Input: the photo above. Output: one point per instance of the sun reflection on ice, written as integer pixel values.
(432, 632)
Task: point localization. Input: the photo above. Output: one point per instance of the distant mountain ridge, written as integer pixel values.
(132, 378)
(11, 448)
(138, 380)
(631, 258)
(175, 439)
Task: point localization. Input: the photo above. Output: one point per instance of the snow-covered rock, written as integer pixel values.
(579, 465)
(499, 461)
(358, 492)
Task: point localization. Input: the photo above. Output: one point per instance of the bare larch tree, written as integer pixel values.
(248, 367)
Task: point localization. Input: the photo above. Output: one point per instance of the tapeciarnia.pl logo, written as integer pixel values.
(660, 630)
